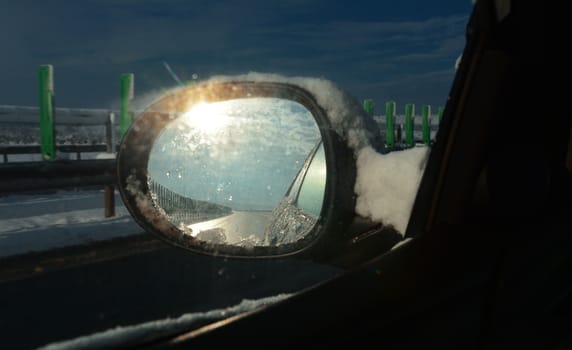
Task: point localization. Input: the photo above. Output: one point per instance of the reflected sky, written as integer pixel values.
(242, 153)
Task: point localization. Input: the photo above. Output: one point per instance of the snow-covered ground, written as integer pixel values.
(42, 221)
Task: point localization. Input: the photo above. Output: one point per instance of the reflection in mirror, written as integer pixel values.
(230, 172)
(299, 210)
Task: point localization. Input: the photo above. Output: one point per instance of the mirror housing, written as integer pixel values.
(342, 132)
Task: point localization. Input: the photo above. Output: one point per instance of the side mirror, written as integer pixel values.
(243, 168)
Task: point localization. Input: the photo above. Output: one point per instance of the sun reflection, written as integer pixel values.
(209, 118)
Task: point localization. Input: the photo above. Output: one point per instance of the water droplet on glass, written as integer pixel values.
(195, 76)
(168, 174)
(229, 198)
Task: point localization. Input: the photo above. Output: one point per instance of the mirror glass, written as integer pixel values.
(247, 172)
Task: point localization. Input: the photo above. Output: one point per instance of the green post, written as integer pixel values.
(47, 130)
(440, 113)
(409, 122)
(127, 93)
(390, 124)
(368, 106)
(426, 124)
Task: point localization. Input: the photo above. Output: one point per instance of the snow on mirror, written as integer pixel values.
(246, 172)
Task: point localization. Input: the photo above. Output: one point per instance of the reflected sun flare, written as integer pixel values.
(209, 118)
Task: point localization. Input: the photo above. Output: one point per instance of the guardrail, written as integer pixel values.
(47, 108)
(55, 173)
(32, 176)
(60, 174)
(36, 149)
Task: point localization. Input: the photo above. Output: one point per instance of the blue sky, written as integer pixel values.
(386, 50)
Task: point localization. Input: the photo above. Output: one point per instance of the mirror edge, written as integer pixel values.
(339, 200)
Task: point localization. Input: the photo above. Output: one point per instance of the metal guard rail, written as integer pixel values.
(33, 149)
(33, 176)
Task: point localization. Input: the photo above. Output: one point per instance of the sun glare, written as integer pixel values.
(209, 118)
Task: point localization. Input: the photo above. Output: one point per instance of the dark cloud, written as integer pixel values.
(376, 51)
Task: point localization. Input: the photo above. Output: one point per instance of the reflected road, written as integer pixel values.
(238, 227)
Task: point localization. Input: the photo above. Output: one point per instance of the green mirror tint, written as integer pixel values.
(220, 170)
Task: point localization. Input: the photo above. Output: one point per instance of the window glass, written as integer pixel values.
(74, 75)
